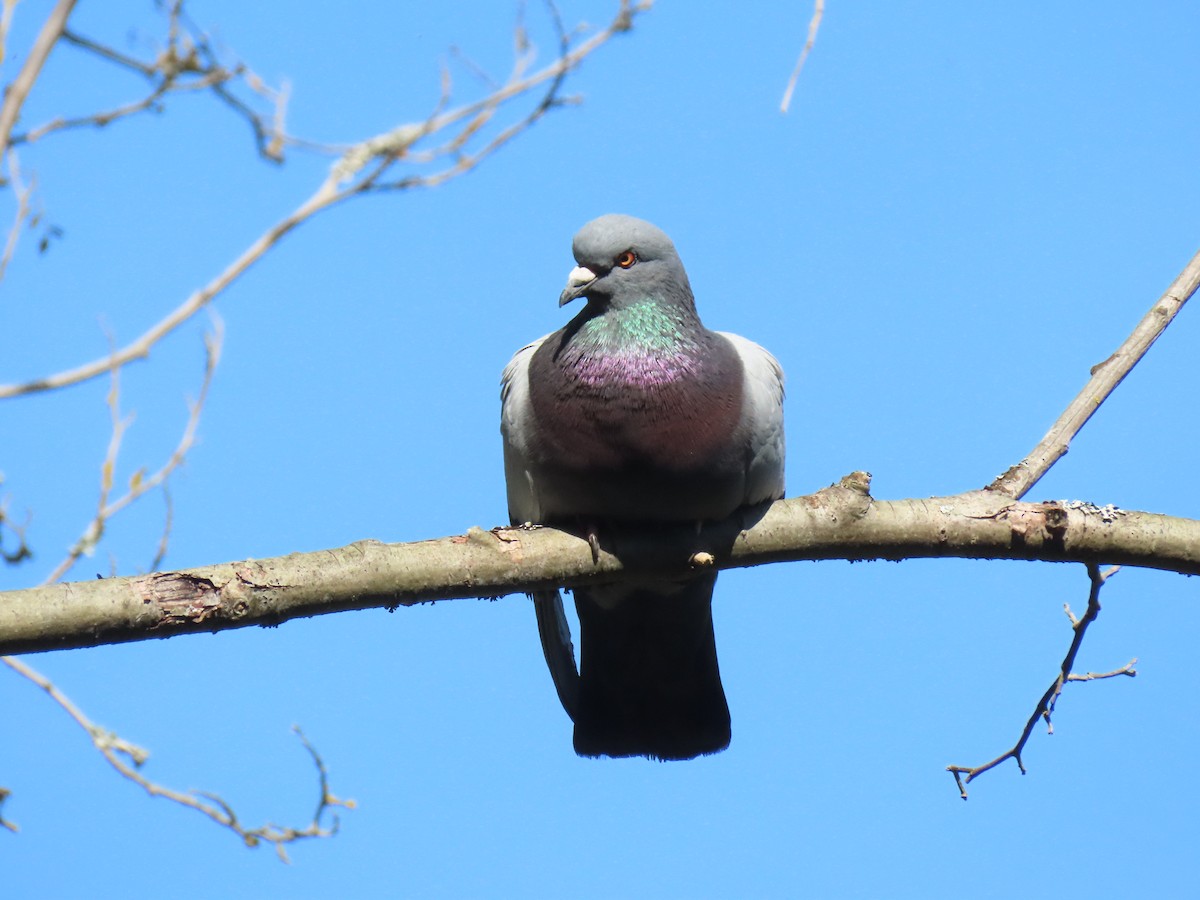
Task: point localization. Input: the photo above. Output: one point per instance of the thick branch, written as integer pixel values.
(840, 522)
(14, 97)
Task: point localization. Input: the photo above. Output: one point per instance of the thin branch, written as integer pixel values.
(164, 539)
(91, 536)
(140, 484)
(107, 117)
(22, 192)
(23, 551)
(15, 94)
(104, 52)
(324, 197)
(814, 25)
(465, 163)
(964, 775)
(1127, 669)
(1017, 481)
(621, 23)
(5, 793)
(128, 758)
(393, 145)
(270, 134)
(358, 171)
(188, 63)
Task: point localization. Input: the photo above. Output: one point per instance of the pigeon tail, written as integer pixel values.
(649, 683)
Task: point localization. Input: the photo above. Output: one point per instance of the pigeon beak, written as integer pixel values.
(578, 282)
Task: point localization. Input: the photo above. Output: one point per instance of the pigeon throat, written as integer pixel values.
(643, 344)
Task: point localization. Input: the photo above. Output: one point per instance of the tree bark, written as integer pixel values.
(841, 522)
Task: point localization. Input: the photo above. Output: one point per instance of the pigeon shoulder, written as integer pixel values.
(762, 419)
(517, 426)
(514, 380)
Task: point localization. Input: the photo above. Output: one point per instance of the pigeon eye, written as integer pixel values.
(626, 259)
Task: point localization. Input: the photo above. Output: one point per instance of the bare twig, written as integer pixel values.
(1017, 481)
(23, 552)
(22, 192)
(1127, 669)
(115, 56)
(95, 529)
(164, 539)
(15, 94)
(1045, 707)
(359, 171)
(140, 483)
(128, 758)
(814, 25)
(140, 348)
(388, 148)
(187, 63)
(5, 793)
(101, 119)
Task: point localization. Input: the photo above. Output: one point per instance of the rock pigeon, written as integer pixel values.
(636, 413)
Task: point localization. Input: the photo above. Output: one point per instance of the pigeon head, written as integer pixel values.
(621, 260)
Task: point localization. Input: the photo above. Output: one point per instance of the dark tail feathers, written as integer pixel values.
(649, 683)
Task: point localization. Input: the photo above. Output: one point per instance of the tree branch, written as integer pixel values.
(360, 171)
(15, 94)
(1017, 481)
(22, 192)
(23, 552)
(188, 62)
(141, 483)
(1045, 706)
(5, 793)
(814, 25)
(128, 759)
(6, 15)
(840, 522)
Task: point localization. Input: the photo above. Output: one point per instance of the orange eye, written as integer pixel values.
(626, 259)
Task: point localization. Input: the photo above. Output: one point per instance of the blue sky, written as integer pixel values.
(966, 208)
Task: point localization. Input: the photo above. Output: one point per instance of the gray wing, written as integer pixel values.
(518, 429)
(762, 420)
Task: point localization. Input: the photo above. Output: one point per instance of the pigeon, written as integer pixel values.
(634, 412)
